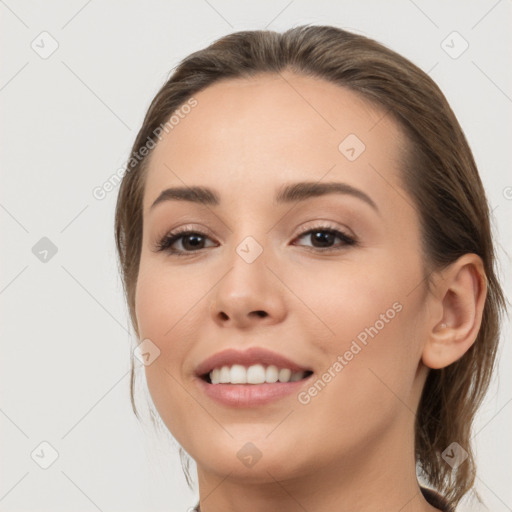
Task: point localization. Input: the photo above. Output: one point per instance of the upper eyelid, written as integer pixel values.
(320, 227)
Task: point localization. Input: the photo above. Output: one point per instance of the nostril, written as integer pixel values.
(261, 314)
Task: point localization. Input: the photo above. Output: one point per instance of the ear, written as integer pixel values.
(458, 301)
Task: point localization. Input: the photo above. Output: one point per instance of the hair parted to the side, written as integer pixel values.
(438, 172)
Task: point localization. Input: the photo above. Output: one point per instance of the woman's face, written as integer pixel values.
(265, 273)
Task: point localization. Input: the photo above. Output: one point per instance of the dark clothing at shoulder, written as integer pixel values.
(436, 500)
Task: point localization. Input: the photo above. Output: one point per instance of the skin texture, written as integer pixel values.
(351, 447)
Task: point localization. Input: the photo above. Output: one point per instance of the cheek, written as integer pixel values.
(179, 411)
(366, 318)
(348, 298)
(162, 299)
(369, 358)
(164, 308)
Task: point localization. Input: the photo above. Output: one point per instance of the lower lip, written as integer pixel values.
(250, 395)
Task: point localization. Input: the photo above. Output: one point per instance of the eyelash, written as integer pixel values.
(170, 238)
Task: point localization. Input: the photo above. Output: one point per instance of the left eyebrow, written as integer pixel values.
(303, 190)
(289, 193)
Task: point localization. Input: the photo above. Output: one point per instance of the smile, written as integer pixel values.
(254, 374)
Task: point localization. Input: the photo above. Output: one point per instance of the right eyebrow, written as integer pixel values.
(194, 194)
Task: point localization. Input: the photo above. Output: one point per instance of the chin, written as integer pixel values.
(267, 469)
(256, 461)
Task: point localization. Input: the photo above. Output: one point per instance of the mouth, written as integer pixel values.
(253, 375)
(243, 395)
(250, 378)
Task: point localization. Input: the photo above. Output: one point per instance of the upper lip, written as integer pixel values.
(253, 355)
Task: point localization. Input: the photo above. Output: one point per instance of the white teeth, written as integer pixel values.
(225, 375)
(254, 374)
(238, 374)
(284, 375)
(271, 373)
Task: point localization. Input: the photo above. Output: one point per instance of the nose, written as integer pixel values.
(248, 295)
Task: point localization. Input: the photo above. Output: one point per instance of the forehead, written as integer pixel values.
(250, 135)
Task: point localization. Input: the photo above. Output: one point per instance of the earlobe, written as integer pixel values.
(460, 296)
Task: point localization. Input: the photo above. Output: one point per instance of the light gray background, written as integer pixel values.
(68, 122)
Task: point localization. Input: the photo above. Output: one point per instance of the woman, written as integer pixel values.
(305, 247)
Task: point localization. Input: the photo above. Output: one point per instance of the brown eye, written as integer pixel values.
(190, 241)
(324, 238)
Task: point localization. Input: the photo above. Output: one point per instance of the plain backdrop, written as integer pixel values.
(76, 79)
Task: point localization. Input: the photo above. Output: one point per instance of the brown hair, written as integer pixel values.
(438, 172)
